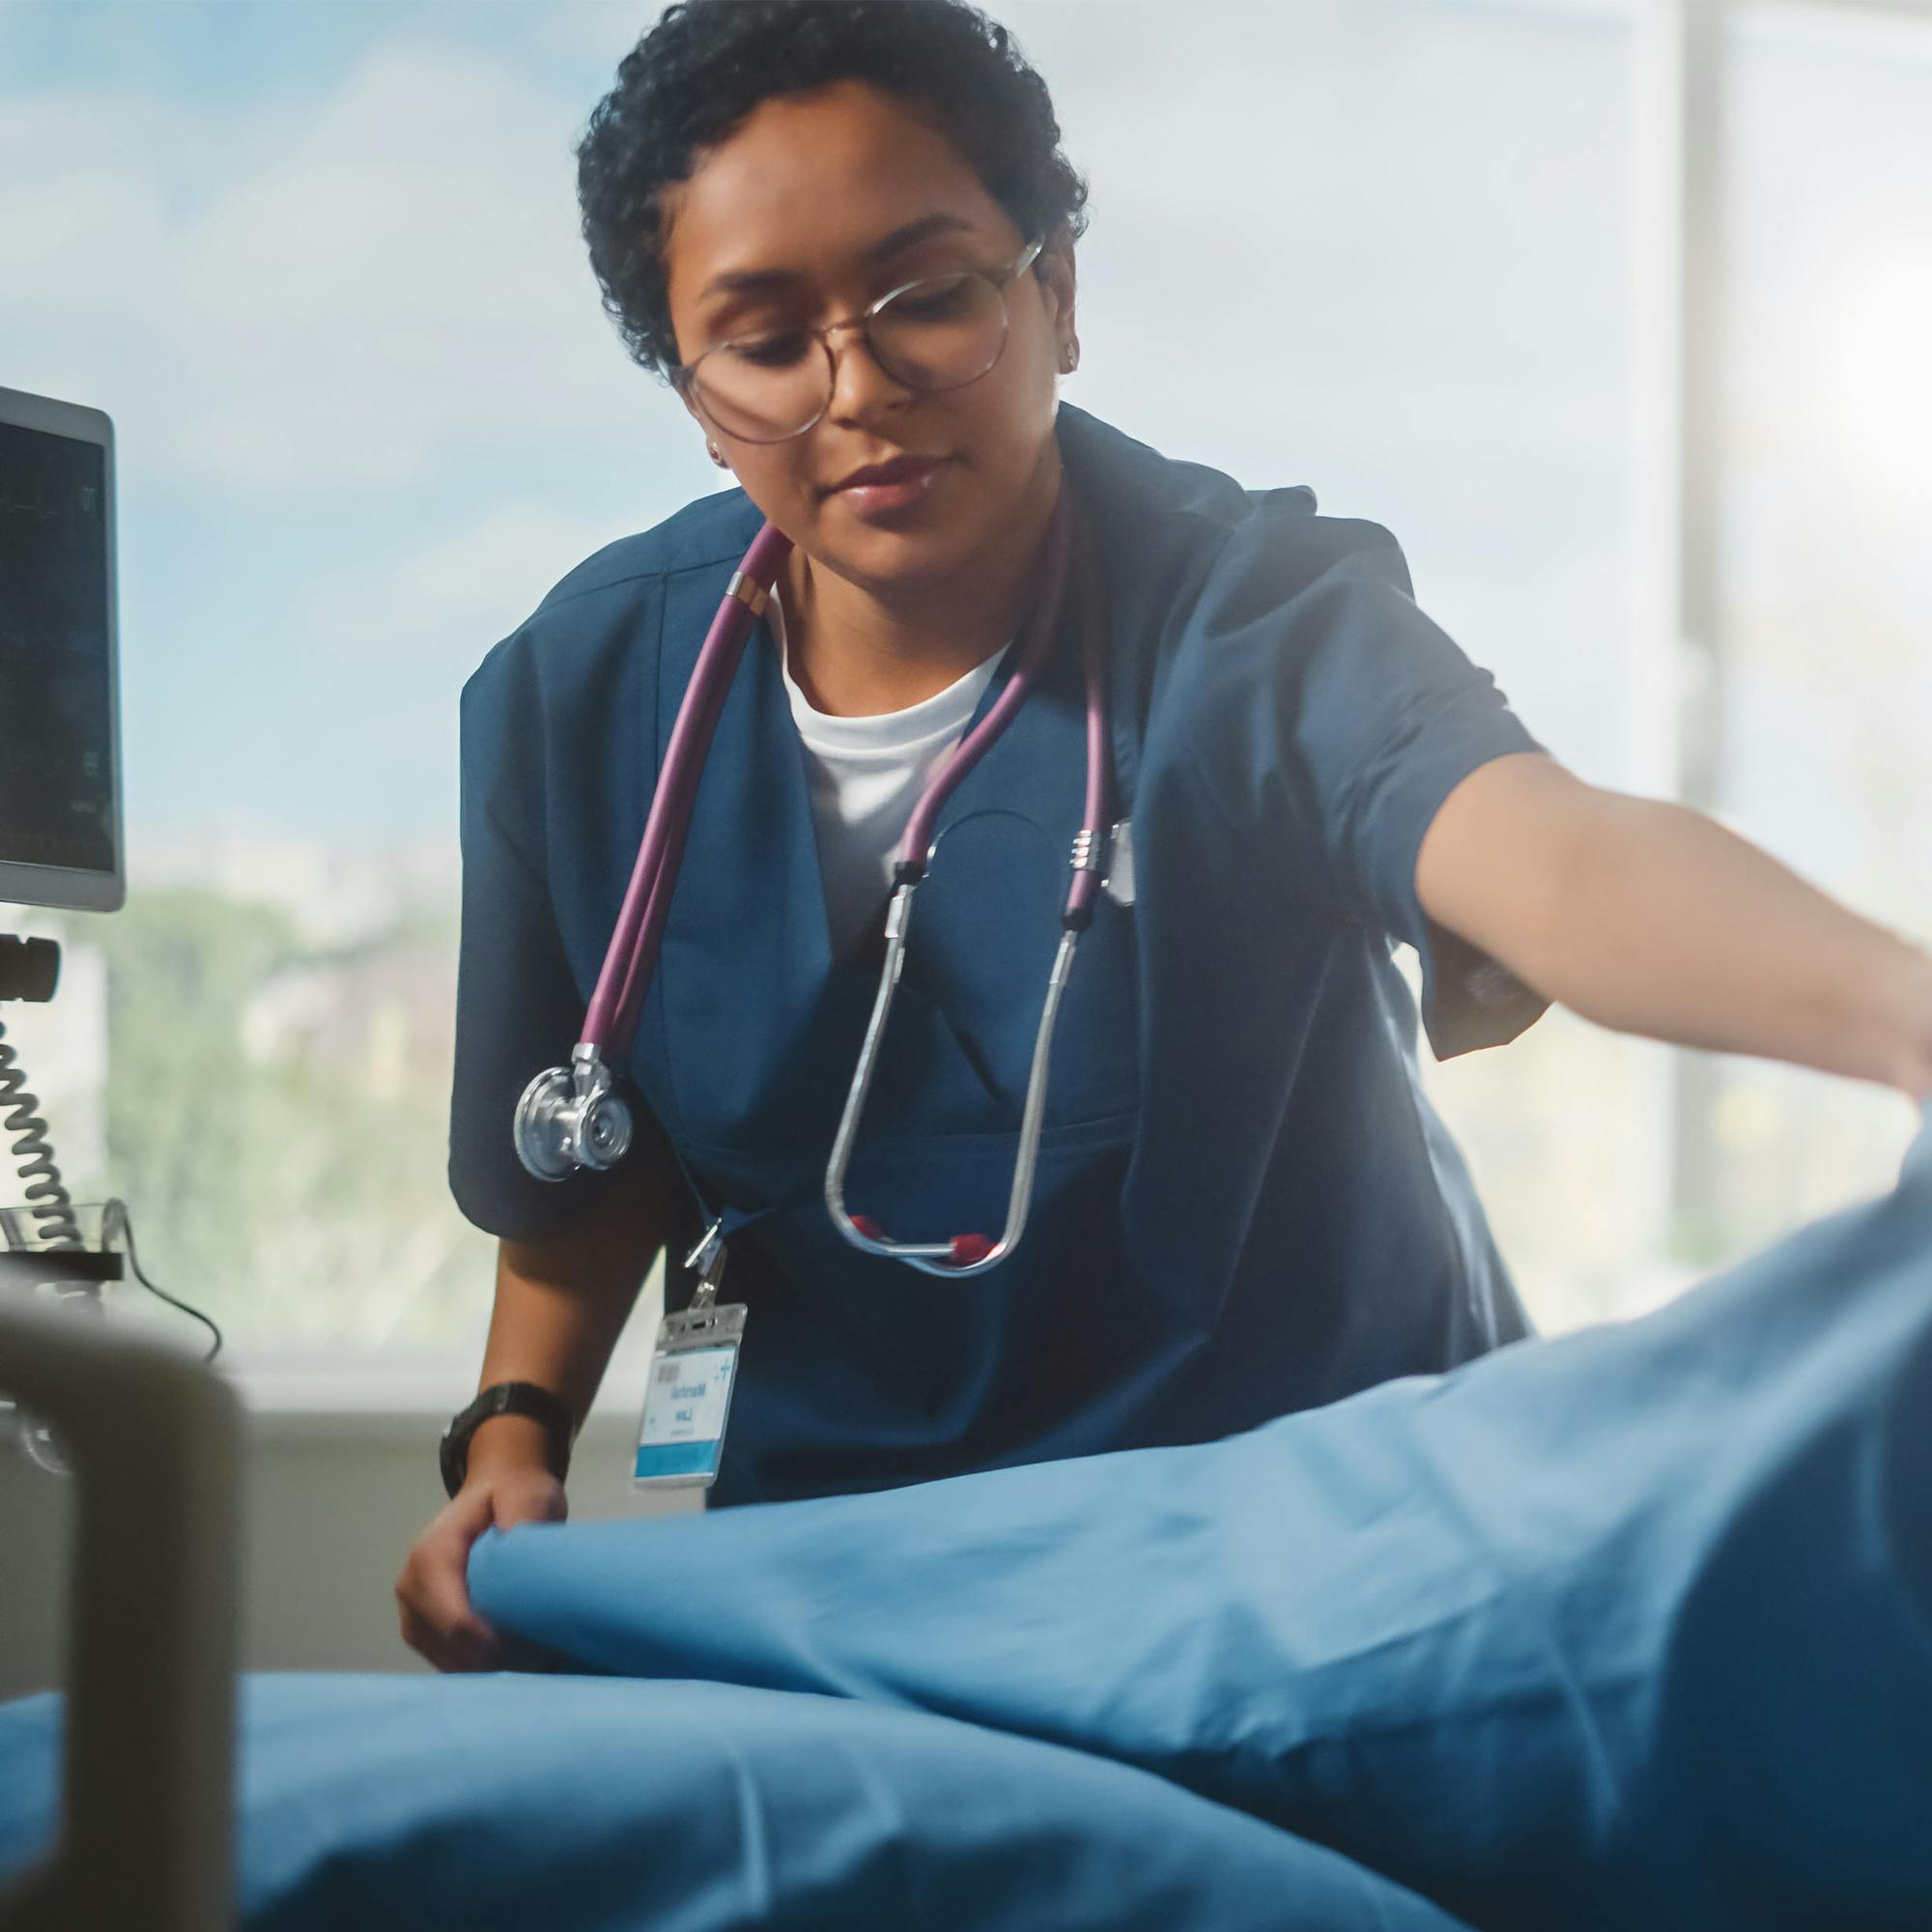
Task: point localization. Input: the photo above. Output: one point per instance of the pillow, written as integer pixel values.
(582, 1804)
(1632, 1628)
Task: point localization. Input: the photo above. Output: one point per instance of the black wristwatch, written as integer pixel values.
(559, 1428)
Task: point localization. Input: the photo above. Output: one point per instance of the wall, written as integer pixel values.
(332, 1504)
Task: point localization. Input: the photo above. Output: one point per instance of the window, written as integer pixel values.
(1821, 735)
(326, 277)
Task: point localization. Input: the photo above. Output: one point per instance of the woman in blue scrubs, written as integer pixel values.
(1244, 1203)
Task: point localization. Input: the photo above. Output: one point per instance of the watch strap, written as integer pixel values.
(540, 1405)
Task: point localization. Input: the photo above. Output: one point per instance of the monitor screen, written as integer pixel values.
(59, 812)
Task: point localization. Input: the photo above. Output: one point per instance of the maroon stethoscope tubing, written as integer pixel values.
(631, 958)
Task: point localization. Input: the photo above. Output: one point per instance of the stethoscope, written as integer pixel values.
(572, 1117)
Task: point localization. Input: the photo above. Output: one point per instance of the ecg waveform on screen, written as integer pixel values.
(33, 497)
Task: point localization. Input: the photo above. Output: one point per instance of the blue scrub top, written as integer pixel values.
(1246, 1204)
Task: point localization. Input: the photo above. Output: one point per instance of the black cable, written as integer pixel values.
(207, 1321)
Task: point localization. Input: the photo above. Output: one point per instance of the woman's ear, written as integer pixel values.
(1055, 267)
(711, 448)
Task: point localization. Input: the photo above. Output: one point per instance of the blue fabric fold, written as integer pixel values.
(578, 1805)
(1628, 1629)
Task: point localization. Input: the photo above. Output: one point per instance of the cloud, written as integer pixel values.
(442, 607)
(353, 289)
(376, 658)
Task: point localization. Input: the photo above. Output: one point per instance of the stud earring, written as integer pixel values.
(1069, 357)
(717, 454)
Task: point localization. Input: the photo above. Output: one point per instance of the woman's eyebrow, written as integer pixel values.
(751, 281)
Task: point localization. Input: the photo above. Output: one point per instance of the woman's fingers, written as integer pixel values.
(432, 1592)
(425, 1641)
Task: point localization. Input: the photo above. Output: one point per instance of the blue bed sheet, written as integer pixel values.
(583, 1805)
(1632, 1628)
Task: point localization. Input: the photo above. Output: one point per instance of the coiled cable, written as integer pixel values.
(50, 1210)
(49, 1205)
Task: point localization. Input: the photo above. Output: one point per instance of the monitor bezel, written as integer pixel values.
(69, 889)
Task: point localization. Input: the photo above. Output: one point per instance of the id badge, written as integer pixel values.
(688, 1401)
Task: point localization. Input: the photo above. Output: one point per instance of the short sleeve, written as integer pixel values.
(1377, 716)
(518, 1009)
(1393, 718)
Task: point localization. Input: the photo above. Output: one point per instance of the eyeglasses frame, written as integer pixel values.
(685, 376)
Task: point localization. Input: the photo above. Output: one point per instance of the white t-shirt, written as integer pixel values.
(866, 777)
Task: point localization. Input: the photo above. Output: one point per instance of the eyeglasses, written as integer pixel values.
(939, 332)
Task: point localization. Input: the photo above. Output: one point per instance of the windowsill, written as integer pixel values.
(338, 1392)
(350, 1395)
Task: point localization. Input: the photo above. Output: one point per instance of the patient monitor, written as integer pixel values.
(60, 791)
(60, 740)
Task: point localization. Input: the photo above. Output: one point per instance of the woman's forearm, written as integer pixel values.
(1676, 928)
(560, 1305)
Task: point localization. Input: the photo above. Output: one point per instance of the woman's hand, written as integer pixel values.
(508, 1482)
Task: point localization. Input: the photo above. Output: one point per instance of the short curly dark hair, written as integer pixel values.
(706, 63)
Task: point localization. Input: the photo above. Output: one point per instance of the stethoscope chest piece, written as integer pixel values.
(572, 1117)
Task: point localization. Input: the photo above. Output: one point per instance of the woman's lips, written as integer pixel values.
(884, 500)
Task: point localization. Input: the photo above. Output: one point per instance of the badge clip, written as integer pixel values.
(694, 1373)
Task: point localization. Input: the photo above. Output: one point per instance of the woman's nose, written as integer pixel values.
(860, 381)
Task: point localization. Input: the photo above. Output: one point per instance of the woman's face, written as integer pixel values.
(832, 199)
